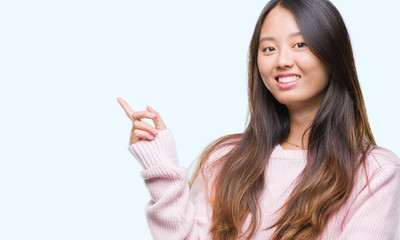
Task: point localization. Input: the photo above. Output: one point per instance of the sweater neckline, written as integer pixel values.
(288, 154)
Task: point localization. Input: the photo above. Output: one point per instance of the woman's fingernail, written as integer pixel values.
(155, 131)
(152, 115)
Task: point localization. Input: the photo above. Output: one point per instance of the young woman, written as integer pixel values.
(306, 166)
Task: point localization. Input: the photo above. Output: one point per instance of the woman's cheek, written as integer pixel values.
(266, 83)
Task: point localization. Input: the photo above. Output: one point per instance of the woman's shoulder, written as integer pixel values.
(381, 166)
(382, 163)
(221, 147)
(212, 158)
(379, 157)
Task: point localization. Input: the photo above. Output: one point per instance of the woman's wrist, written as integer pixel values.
(161, 149)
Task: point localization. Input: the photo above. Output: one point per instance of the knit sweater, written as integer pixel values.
(176, 212)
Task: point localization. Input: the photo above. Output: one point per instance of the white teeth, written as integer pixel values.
(288, 79)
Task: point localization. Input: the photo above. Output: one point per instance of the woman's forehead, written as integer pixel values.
(279, 22)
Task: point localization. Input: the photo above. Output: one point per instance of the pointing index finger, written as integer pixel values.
(128, 110)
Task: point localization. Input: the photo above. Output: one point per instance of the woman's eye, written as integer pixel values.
(268, 49)
(300, 45)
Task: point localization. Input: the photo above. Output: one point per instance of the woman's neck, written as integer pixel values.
(300, 121)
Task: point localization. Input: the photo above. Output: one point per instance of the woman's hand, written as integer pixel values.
(142, 130)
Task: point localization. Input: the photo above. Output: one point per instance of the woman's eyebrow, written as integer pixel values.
(268, 38)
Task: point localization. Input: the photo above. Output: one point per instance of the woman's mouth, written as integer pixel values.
(286, 82)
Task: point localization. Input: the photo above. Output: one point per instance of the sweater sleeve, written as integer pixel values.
(171, 213)
(374, 214)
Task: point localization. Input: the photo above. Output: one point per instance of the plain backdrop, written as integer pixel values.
(65, 171)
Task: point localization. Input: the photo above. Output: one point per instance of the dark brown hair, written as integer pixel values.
(339, 137)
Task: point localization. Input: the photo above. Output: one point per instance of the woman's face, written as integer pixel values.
(291, 72)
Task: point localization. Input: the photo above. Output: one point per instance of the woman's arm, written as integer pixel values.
(171, 213)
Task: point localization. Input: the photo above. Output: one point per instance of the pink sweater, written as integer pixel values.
(176, 212)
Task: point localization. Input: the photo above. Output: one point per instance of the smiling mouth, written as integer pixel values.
(287, 79)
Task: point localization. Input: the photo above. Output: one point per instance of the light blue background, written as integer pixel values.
(65, 172)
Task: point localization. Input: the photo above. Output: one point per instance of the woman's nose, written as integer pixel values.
(285, 59)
